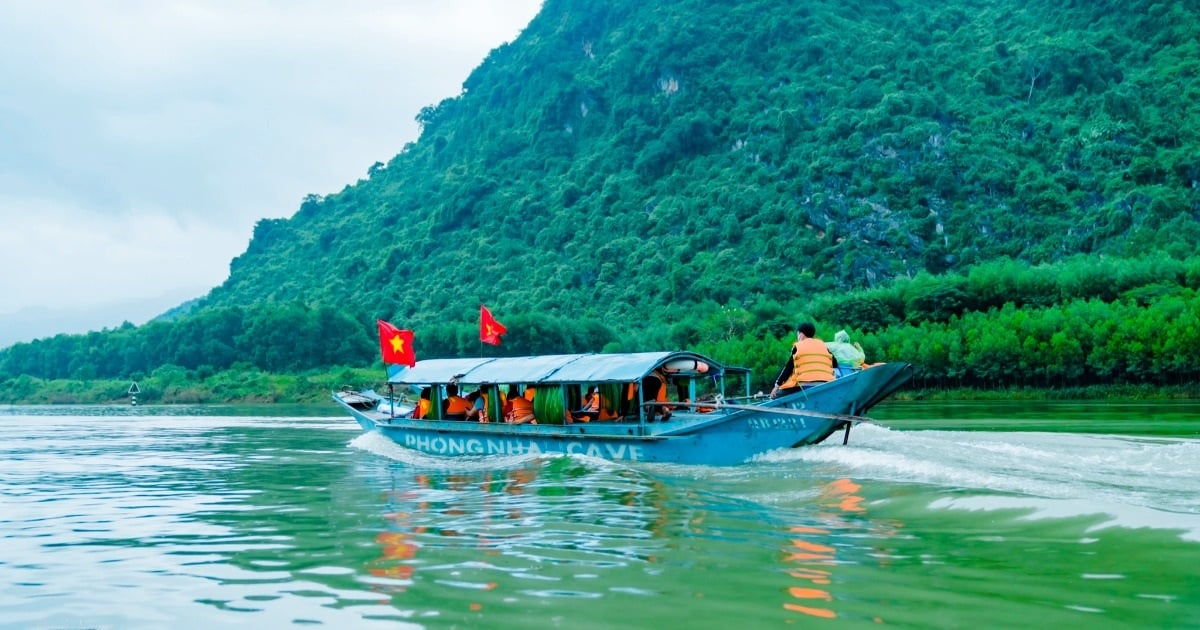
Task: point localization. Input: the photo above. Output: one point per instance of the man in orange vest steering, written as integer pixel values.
(809, 364)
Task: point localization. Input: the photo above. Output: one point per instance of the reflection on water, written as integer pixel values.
(543, 528)
(813, 555)
(202, 520)
(815, 560)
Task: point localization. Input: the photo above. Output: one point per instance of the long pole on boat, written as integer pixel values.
(787, 411)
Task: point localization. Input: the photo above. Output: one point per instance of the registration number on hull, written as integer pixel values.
(776, 424)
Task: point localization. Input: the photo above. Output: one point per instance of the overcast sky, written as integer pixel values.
(141, 140)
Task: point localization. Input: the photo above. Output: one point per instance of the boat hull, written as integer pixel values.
(734, 439)
(722, 437)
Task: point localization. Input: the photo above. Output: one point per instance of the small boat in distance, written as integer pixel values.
(704, 425)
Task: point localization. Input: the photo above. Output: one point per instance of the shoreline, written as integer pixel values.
(234, 388)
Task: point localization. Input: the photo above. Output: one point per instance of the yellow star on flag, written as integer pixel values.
(396, 344)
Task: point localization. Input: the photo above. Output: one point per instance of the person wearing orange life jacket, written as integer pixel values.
(809, 364)
(606, 413)
(654, 389)
(422, 409)
(455, 407)
(589, 409)
(507, 406)
(479, 405)
(594, 407)
(522, 410)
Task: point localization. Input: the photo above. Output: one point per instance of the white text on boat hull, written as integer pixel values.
(442, 445)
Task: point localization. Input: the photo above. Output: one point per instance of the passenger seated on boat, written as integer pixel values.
(654, 389)
(849, 356)
(522, 411)
(501, 400)
(590, 408)
(455, 407)
(629, 409)
(478, 409)
(422, 409)
(809, 365)
(629, 402)
(506, 408)
(610, 397)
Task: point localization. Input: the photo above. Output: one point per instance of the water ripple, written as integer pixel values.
(216, 521)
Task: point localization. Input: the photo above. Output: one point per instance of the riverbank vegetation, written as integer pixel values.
(172, 384)
(1091, 326)
(245, 385)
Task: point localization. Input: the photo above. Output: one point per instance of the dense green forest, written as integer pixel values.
(1001, 192)
(623, 159)
(1085, 321)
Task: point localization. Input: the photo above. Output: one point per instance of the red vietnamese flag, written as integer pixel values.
(490, 330)
(397, 345)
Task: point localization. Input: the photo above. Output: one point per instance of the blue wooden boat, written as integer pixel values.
(714, 430)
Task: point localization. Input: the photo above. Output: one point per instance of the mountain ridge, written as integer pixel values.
(716, 151)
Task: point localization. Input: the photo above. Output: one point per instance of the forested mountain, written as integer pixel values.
(622, 160)
(631, 174)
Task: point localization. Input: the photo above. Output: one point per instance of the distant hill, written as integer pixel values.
(34, 323)
(624, 160)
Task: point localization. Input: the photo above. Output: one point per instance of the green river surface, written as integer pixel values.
(963, 515)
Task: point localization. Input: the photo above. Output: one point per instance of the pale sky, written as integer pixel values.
(140, 140)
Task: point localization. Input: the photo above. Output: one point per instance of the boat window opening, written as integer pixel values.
(735, 384)
(631, 411)
(437, 394)
(549, 405)
(610, 401)
(493, 404)
(574, 397)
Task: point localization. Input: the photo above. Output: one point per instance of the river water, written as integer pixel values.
(942, 516)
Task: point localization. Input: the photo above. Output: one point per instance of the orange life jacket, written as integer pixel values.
(522, 410)
(599, 404)
(811, 363)
(662, 389)
(457, 405)
(422, 409)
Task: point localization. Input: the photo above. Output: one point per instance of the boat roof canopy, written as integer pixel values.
(548, 369)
